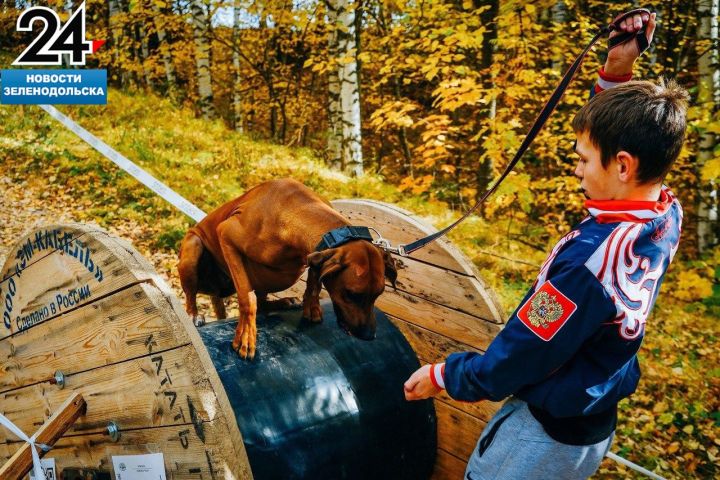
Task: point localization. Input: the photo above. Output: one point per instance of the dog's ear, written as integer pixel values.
(390, 268)
(328, 261)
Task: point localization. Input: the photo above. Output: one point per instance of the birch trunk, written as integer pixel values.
(484, 172)
(143, 53)
(201, 26)
(334, 120)
(709, 100)
(344, 143)
(164, 47)
(559, 17)
(237, 99)
(115, 9)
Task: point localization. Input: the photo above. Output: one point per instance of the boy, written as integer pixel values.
(568, 353)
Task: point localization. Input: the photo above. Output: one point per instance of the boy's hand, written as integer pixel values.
(621, 58)
(419, 386)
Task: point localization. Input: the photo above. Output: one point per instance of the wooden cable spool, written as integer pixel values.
(81, 309)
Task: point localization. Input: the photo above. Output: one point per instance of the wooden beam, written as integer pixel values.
(21, 463)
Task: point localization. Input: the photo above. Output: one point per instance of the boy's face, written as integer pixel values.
(597, 182)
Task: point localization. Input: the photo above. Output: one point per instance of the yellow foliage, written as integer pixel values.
(711, 169)
(691, 287)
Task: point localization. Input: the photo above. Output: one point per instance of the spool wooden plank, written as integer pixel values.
(448, 465)
(430, 345)
(154, 390)
(127, 324)
(86, 264)
(462, 292)
(439, 318)
(458, 432)
(95, 309)
(67, 413)
(186, 456)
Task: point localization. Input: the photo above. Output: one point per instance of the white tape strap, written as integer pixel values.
(141, 175)
(634, 466)
(37, 466)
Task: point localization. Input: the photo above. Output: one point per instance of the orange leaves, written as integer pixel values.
(417, 185)
(455, 93)
(436, 146)
(392, 114)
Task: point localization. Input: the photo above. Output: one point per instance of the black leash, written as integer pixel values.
(545, 113)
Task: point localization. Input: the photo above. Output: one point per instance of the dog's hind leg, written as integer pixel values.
(219, 306)
(191, 250)
(287, 303)
(229, 233)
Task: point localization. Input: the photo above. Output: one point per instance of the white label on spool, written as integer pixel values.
(139, 467)
(48, 465)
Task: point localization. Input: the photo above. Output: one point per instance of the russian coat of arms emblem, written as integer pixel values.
(544, 310)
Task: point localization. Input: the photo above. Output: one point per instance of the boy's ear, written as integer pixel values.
(627, 166)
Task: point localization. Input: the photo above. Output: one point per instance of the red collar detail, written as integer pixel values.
(638, 211)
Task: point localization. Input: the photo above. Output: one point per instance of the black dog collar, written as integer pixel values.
(340, 236)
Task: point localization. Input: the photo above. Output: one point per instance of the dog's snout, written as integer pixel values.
(365, 332)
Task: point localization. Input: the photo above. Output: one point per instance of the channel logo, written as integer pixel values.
(57, 42)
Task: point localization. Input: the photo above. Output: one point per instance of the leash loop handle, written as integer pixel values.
(615, 24)
(638, 36)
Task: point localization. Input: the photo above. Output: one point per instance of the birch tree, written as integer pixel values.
(559, 15)
(143, 53)
(709, 100)
(484, 171)
(237, 98)
(164, 49)
(200, 16)
(115, 9)
(344, 142)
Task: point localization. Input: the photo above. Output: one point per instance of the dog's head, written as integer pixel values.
(354, 276)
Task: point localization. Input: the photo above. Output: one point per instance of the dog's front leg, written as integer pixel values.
(229, 233)
(311, 297)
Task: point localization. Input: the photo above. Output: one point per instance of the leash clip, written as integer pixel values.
(387, 246)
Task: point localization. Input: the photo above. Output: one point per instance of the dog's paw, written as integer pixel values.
(312, 313)
(245, 352)
(244, 345)
(198, 320)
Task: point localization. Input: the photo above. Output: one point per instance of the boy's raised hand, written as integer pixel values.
(621, 58)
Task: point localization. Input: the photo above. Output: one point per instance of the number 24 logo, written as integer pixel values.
(48, 47)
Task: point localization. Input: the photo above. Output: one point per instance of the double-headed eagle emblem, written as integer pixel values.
(544, 310)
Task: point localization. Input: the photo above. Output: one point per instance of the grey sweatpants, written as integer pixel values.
(520, 449)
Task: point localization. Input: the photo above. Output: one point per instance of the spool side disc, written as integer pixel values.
(77, 299)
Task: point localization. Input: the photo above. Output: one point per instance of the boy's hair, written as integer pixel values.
(646, 120)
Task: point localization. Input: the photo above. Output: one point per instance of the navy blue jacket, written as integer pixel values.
(570, 347)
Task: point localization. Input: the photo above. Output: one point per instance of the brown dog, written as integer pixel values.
(262, 242)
